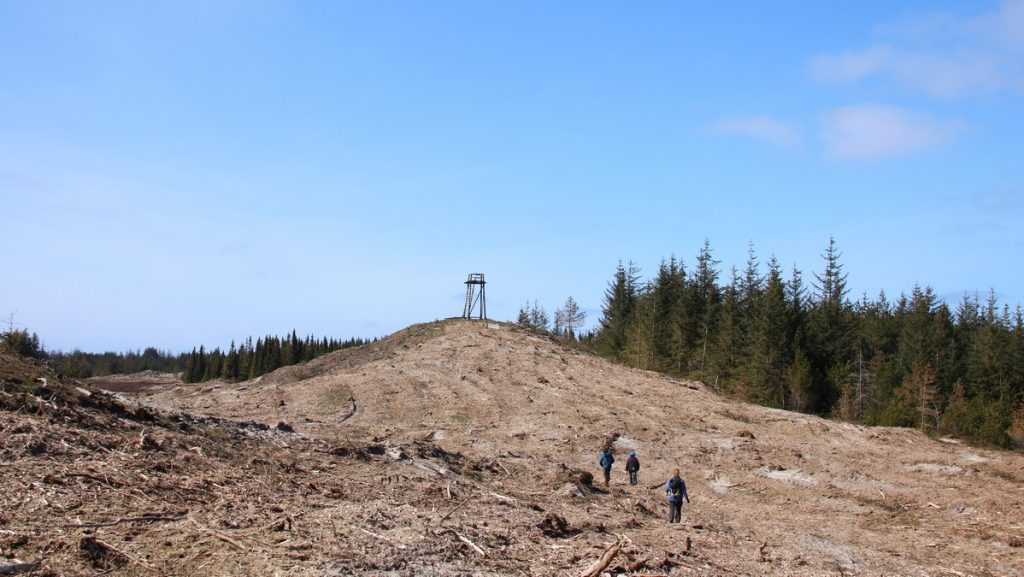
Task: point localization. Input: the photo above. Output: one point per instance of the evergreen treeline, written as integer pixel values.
(773, 339)
(20, 342)
(81, 365)
(247, 361)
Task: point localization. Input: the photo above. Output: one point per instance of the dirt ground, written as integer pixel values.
(466, 448)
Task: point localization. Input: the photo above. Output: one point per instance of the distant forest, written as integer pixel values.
(247, 361)
(912, 361)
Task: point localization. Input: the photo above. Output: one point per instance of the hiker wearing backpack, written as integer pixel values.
(632, 466)
(606, 463)
(675, 488)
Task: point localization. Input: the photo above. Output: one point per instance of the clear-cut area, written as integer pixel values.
(470, 448)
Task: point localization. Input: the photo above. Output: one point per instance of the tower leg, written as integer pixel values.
(483, 304)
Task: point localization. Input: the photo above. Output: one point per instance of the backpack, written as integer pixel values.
(606, 460)
(675, 487)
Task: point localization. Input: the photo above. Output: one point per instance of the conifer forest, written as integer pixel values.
(246, 361)
(792, 342)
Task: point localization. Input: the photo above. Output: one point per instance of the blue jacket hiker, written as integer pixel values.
(675, 489)
(606, 463)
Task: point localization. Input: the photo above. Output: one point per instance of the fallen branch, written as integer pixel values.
(14, 567)
(637, 565)
(107, 482)
(370, 533)
(503, 468)
(598, 566)
(226, 538)
(283, 524)
(449, 513)
(146, 518)
(101, 550)
(470, 543)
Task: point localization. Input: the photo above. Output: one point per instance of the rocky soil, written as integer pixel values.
(468, 448)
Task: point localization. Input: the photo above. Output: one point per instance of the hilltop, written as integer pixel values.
(460, 446)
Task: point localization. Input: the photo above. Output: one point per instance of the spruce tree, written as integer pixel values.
(830, 330)
(769, 344)
(751, 290)
(523, 319)
(800, 381)
(669, 317)
(639, 348)
(617, 312)
(705, 301)
(539, 318)
(726, 349)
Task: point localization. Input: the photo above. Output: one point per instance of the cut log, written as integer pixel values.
(598, 566)
(637, 565)
(14, 567)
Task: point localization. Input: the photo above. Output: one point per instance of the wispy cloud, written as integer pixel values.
(1005, 25)
(774, 131)
(874, 131)
(938, 75)
(939, 55)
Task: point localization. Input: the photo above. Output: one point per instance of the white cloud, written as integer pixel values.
(939, 55)
(937, 75)
(950, 76)
(873, 131)
(1006, 25)
(768, 129)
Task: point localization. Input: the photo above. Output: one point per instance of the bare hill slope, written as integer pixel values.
(459, 446)
(823, 495)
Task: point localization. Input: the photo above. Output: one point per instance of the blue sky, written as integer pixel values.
(177, 173)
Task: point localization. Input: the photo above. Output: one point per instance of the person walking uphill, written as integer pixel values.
(632, 466)
(606, 463)
(675, 488)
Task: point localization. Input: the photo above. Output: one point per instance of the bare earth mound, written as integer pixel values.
(466, 448)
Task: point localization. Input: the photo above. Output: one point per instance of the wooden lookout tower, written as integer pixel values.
(473, 297)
